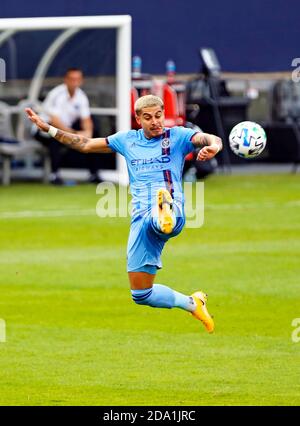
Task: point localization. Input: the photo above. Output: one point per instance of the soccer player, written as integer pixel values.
(155, 157)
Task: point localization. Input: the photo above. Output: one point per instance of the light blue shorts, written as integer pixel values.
(145, 243)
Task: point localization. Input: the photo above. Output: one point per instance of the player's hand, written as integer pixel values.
(36, 119)
(208, 152)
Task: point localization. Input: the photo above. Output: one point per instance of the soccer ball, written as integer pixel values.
(247, 139)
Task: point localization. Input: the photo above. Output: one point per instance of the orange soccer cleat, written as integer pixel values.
(201, 312)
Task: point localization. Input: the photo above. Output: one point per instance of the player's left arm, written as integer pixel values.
(210, 145)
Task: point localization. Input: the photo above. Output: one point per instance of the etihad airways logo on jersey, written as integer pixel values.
(156, 160)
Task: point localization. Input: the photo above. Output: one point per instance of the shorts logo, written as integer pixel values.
(165, 143)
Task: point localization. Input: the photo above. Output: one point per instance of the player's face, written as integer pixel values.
(73, 80)
(151, 120)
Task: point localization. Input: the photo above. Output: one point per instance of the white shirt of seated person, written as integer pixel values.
(69, 109)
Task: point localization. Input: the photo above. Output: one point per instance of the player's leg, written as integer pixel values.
(144, 249)
(167, 215)
(143, 259)
(166, 218)
(145, 292)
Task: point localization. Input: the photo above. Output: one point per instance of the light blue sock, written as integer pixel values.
(161, 296)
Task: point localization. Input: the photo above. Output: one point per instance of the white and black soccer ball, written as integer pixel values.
(247, 139)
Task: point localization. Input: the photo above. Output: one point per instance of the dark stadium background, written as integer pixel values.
(251, 36)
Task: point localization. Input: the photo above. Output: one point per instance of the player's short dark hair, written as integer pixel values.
(73, 69)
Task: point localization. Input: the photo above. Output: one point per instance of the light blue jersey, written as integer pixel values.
(152, 164)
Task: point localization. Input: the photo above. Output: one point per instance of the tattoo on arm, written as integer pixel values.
(76, 142)
(204, 139)
(201, 141)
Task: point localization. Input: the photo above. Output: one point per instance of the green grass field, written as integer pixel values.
(74, 337)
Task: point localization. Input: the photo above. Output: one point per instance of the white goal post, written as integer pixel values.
(71, 25)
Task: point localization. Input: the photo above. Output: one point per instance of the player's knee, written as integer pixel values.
(142, 297)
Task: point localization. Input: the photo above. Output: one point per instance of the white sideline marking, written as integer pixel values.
(92, 212)
(46, 213)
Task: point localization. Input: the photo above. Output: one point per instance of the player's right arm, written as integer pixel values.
(75, 141)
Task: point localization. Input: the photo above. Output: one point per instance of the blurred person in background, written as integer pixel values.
(66, 107)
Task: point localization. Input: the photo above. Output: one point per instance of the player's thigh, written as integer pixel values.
(140, 280)
(144, 248)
